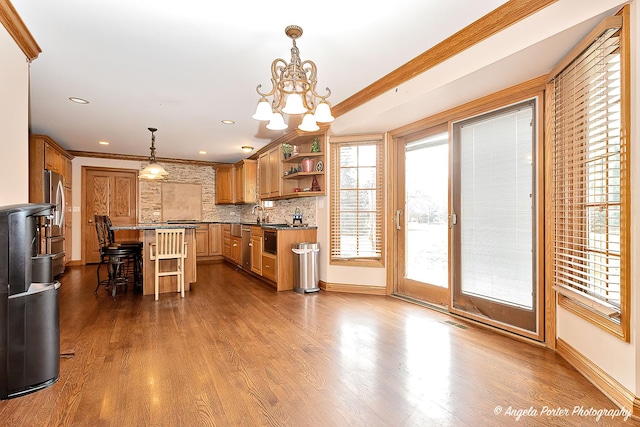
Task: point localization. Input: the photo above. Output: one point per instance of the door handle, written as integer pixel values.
(453, 220)
(398, 214)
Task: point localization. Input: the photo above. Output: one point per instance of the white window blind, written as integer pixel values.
(356, 200)
(588, 158)
(496, 207)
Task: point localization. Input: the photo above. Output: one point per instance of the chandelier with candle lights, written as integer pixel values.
(293, 91)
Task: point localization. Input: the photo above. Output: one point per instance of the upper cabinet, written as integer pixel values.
(237, 183)
(300, 174)
(45, 153)
(224, 184)
(270, 167)
(246, 181)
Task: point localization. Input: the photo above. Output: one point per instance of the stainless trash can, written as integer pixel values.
(305, 267)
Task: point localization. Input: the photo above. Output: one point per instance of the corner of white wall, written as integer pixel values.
(14, 121)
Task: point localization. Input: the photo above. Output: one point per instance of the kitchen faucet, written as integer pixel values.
(258, 207)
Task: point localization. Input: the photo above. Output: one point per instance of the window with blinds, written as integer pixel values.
(590, 181)
(357, 200)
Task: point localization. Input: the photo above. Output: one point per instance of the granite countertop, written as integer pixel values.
(277, 226)
(151, 226)
(194, 224)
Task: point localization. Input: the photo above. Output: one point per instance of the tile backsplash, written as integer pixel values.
(150, 193)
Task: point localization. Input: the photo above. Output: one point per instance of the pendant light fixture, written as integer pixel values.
(153, 170)
(293, 91)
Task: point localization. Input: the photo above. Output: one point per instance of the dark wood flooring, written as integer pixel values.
(234, 352)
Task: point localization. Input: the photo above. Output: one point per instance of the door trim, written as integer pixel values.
(531, 88)
(83, 189)
(437, 296)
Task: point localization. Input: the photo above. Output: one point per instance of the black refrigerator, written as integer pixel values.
(29, 311)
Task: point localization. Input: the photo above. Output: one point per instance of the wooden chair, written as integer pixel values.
(170, 245)
(114, 257)
(133, 246)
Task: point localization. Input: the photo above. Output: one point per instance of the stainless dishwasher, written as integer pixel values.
(246, 248)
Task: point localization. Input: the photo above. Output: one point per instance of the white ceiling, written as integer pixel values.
(183, 67)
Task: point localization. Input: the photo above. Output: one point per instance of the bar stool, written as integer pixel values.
(115, 257)
(135, 248)
(169, 245)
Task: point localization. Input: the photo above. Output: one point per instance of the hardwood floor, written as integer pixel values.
(234, 352)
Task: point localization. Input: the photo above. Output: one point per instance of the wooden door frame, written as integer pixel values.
(529, 89)
(83, 186)
(397, 147)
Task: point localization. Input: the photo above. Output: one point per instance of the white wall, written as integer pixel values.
(14, 122)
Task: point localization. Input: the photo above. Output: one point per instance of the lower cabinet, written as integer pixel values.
(202, 241)
(226, 244)
(256, 250)
(215, 239)
(236, 250)
(270, 267)
(208, 242)
(276, 269)
(231, 245)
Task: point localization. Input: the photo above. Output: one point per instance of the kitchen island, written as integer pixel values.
(148, 237)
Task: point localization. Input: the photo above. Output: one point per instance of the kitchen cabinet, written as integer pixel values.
(226, 241)
(237, 184)
(256, 250)
(53, 158)
(236, 250)
(231, 245)
(270, 166)
(215, 239)
(278, 269)
(269, 267)
(298, 182)
(45, 153)
(246, 181)
(208, 242)
(224, 184)
(285, 178)
(202, 240)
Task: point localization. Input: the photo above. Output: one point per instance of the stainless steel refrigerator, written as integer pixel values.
(54, 225)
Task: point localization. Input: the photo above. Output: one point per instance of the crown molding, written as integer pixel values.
(93, 154)
(504, 16)
(18, 30)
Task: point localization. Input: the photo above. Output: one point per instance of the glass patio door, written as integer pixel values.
(422, 227)
(493, 229)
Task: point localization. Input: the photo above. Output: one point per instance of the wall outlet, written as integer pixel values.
(76, 209)
(156, 214)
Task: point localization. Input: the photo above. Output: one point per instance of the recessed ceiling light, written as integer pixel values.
(103, 142)
(228, 122)
(78, 100)
(202, 152)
